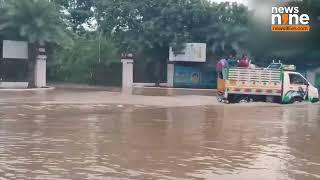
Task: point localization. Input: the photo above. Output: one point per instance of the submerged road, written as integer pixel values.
(154, 134)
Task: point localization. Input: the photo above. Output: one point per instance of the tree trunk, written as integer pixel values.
(32, 53)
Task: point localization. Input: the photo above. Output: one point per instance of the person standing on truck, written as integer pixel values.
(244, 61)
(221, 65)
(232, 61)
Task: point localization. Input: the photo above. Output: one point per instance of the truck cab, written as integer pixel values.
(296, 88)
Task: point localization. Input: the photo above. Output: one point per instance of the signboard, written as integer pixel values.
(41, 54)
(187, 76)
(127, 56)
(193, 52)
(15, 49)
(194, 77)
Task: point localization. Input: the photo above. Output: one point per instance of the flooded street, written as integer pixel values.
(95, 135)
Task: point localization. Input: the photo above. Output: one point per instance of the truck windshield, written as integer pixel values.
(297, 79)
(274, 66)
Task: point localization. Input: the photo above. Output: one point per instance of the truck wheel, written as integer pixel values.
(231, 99)
(296, 100)
(244, 99)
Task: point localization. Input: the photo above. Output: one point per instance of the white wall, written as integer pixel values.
(13, 85)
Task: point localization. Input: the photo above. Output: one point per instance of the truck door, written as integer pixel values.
(295, 88)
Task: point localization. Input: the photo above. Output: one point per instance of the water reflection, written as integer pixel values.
(154, 91)
(135, 142)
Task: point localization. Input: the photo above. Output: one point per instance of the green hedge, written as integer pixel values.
(97, 74)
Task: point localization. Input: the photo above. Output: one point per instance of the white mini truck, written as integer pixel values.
(278, 83)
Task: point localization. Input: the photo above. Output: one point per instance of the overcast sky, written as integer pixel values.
(240, 1)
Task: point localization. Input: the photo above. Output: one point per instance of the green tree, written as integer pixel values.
(148, 23)
(226, 30)
(37, 21)
(79, 13)
(84, 61)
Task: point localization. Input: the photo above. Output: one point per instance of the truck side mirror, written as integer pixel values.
(307, 83)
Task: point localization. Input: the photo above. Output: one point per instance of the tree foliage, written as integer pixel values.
(80, 62)
(146, 24)
(79, 13)
(37, 21)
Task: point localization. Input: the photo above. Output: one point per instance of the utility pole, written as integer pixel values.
(99, 46)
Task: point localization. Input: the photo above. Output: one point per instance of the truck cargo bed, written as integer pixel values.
(254, 81)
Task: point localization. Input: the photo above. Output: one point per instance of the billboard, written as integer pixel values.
(193, 52)
(194, 77)
(15, 49)
(186, 76)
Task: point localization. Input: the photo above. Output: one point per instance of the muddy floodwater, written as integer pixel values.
(57, 135)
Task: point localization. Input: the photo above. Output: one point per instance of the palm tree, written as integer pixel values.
(37, 21)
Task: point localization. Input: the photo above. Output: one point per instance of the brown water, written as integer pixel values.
(104, 141)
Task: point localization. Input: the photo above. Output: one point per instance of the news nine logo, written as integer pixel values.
(289, 19)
